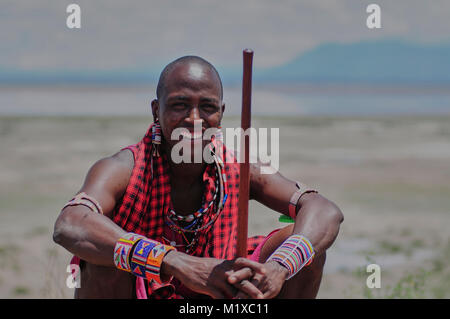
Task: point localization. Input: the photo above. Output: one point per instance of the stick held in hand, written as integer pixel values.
(244, 171)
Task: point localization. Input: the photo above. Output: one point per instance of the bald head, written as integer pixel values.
(197, 67)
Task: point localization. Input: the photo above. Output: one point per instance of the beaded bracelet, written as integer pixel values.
(141, 256)
(85, 200)
(295, 253)
(122, 250)
(301, 190)
(154, 261)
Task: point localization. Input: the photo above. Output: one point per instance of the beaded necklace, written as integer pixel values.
(203, 210)
(214, 208)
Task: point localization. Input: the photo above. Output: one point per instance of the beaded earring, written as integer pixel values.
(218, 147)
(156, 137)
(219, 134)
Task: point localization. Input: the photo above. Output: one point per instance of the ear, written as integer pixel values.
(155, 109)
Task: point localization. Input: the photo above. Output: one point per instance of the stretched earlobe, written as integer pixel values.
(156, 138)
(155, 109)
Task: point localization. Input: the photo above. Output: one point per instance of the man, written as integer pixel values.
(142, 190)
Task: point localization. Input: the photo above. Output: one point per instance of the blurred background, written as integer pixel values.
(364, 116)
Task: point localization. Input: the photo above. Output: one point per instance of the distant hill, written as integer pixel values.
(384, 62)
(79, 77)
(388, 61)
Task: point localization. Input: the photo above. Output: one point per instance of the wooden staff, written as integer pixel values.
(244, 175)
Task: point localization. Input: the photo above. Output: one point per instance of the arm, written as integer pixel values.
(318, 218)
(92, 236)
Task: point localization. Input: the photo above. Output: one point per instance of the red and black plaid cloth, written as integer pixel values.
(147, 201)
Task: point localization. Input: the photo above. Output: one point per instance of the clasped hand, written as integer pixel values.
(239, 278)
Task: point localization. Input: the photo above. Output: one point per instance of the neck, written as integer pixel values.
(185, 174)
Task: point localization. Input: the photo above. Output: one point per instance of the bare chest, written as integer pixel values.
(186, 200)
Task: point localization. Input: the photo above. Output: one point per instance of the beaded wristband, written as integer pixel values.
(146, 259)
(123, 249)
(154, 261)
(295, 253)
(139, 256)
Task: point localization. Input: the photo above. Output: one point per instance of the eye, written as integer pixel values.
(179, 106)
(209, 107)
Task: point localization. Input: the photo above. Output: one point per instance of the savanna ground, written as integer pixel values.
(389, 175)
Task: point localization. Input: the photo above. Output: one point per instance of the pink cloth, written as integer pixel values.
(257, 252)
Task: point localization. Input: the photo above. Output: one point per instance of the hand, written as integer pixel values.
(269, 281)
(210, 275)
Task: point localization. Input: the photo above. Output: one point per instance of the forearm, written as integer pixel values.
(173, 262)
(319, 220)
(88, 235)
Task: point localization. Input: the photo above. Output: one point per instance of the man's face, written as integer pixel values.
(191, 95)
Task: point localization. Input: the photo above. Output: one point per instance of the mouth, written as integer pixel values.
(195, 135)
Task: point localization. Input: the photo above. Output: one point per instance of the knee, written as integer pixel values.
(319, 261)
(105, 282)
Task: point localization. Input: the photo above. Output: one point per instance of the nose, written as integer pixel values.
(194, 116)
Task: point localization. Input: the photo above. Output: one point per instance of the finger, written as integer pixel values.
(259, 281)
(270, 294)
(219, 282)
(249, 289)
(216, 293)
(269, 288)
(241, 295)
(228, 290)
(244, 262)
(239, 275)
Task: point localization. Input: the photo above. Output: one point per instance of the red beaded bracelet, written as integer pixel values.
(302, 189)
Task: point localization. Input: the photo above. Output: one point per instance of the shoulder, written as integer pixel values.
(120, 163)
(123, 158)
(111, 174)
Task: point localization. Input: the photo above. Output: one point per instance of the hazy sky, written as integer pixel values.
(129, 34)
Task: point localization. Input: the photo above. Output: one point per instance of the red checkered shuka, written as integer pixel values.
(147, 201)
